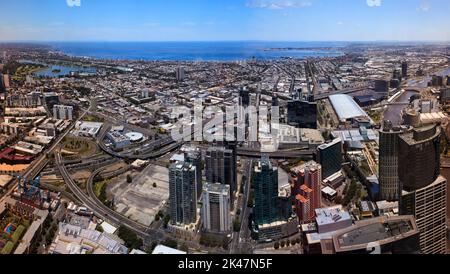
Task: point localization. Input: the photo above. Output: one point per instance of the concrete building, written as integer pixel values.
(180, 74)
(216, 208)
(383, 235)
(118, 139)
(182, 193)
(61, 112)
(219, 168)
(87, 129)
(331, 219)
(428, 205)
(329, 156)
(73, 239)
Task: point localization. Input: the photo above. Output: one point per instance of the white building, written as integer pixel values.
(216, 208)
(162, 249)
(61, 112)
(72, 239)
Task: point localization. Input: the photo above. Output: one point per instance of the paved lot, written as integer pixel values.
(140, 201)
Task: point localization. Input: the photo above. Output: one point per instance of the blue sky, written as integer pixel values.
(208, 20)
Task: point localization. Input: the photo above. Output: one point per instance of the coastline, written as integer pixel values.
(196, 51)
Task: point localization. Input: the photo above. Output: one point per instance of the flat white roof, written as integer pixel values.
(108, 228)
(346, 107)
(329, 191)
(162, 249)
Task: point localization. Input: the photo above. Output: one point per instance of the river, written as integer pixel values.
(393, 112)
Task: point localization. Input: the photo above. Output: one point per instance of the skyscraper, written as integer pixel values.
(182, 193)
(404, 69)
(61, 112)
(382, 86)
(306, 183)
(194, 157)
(216, 208)
(180, 74)
(397, 74)
(330, 158)
(244, 97)
(419, 157)
(265, 181)
(219, 167)
(424, 190)
(428, 206)
(388, 162)
(302, 114)
(2, 83)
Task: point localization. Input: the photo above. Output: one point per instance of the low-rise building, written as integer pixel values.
(73, 239)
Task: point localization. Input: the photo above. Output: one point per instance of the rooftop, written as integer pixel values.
(380, 230)
(331, 215)
(162, 249)
(345, 107)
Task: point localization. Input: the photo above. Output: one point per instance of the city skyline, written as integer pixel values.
(218, 20)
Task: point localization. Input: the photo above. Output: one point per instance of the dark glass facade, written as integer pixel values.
(419, 157)
(302, 114)
(220, 167)
(267, 203)
(329, 156)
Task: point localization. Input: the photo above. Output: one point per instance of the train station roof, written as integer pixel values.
(346, 108)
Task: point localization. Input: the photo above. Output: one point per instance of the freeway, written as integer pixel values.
(101, 210)
(39, 164)
(90, 181)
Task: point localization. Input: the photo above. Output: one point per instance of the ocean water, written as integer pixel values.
(199, 51)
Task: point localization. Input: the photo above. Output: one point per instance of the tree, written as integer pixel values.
(170, 243)
(276, 245)
(150, 248)
(155, 185)
(166, 220)
(283, 244)
(132, 241)
(129, 179)
(184, 247)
